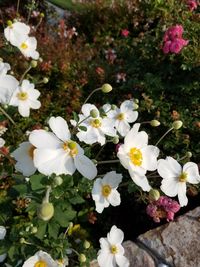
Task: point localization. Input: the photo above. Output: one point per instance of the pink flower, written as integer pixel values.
(177, 45)
(110, 55)
(125, 33)
(121, 77)
(164, 207)
(192, 5)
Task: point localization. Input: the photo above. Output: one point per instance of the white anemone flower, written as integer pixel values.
(138, 157)
(111, 253)
(123, 116)
(2, 236)
(175, 178)
(8, 85)
(40, 259)
(25, 97)
(24, 156)
(16, 31)
(96, 128)
(105, 192)
(28, 47)
(57, 153)
(4, 68)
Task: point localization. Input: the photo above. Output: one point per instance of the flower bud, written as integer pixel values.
(189, 154)
(42, 15)
(113, 107)
(82, 257)
(46, 211)
(45, 80)
(94, 113)
(115, 140)
(136, 101)
(177, 124)
(9, 23)
(154, 123)
(135, 106)
(22, 240)
(154, 194)
(58, 180)
(86, 244)
(34, 230)
(33, 63)
(106, 88)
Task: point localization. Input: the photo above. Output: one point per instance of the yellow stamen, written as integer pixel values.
(22, 96)
(113, 249)
(40, 264)
(96, 123)
(71, 148)
(31, 151)
(136, 156)
(183, 177)
(120, 116)
(24, 46)
(106, 190)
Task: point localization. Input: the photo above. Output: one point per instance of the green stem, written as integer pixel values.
(100, 150)
(36, 27)
(6, 114)
(18, 2)
(74, 129)
(108, 161)
(164, 136)
(23, 75)
(94, 91)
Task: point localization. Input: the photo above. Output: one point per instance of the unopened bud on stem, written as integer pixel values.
(177, 124)
(106, 88)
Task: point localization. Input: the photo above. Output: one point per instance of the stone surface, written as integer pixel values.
(177, 242)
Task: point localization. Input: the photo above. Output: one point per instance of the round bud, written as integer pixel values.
(9, 23)
(135, 106)
(94, 161)
(34, 230)
(45, 80)
(113, 107)
(42, 15)
(40, 59)
(46, 211)
(22, 240)
(115, 140)
(86, 244)
(94, 113)
(136, 101)
(58, 180)
(189, 154)
(154, 123)
(154, 194)
(106, 88)
(177, 124)
(82, 257)
(33, 63)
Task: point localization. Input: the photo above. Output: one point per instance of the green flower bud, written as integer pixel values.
(34, 230)
(177, 124)
(9, 23)
(58, 180)
(136, 101)
(42, 15)
(154, 194)
(135, 106)
(189, 154)
(22, 240)
(45, 80)
(40, 59)
(82, 257)
(86, 244)
(154, 123)
(46, 211)
(115, 140)
(106, 88)
(33, 63)
(113, 107)
(94, 113)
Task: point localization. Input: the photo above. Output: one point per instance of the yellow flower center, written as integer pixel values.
(136, 156)
(183, 177)
(120, 116)
(71, 147)
(113, 249)
(22, 96)
(31, 152)
(106, 190)
(40, 264)
(96, 123)
(24, 46)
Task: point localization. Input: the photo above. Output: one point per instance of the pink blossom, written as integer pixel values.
(192, 5)
(164, 207)
(177, 45)
(121, 77)
(111, 55)
(125, 33)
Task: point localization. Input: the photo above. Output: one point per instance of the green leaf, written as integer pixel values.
(76, 200)
(36, 182)
(83, 128)
(63, 217)
(53, 229)
(21, 188)
(75, 116)
(42, 226)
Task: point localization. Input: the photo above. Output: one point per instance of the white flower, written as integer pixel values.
(25, 97)
(105, 192)
(2, 142)
(4, 68)
(40, 259)
(57, 153)
(2, 236)
(24, 157)
(8, 85)
(63, 262)
(96, 128)
(123, 116)
(28, 47)
(15, 32)
(138, 157)
(175, 178)
(111, 253)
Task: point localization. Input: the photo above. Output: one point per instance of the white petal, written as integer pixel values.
(34, 104)
(8, 85)
(170, 187)
(104, 244)
(24, 109)
(150, 154)
(131, 116)
(122, 261)
(126, 106)
(44, 139)
(96, 190)
(99, 207)
(114, 198)
(59, 126)
(122, 127)
(123, 157)
(106, 259)
(115, 235)
(3, 257)
(86, 108)
(169, 168)
(2, 232)
(192, 171)
(138, 140)
(112, 178)
(31, 261)
(182, 194)
(140, 180)
(108, 127)
(85, 166)
(2, 142)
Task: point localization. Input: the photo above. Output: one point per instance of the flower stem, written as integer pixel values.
(108, 161)
(17, 11)
(6, 114)
(164, 136)
(24, 74)
(94, 91)
(46, 198)
(74, 129)
(100, 150)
